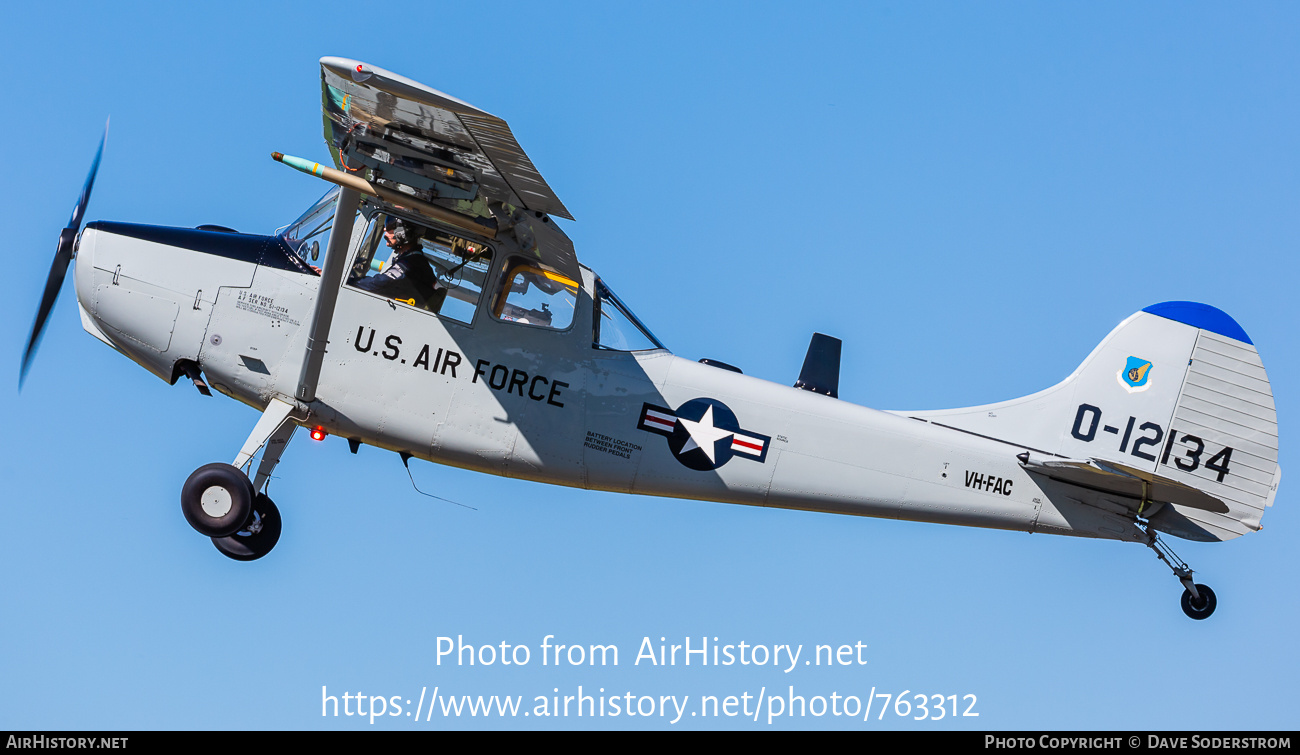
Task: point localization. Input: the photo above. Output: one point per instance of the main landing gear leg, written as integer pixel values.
(1198, 600)
(221, 502)
(273, 431)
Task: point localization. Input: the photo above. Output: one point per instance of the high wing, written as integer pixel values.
(406, 136)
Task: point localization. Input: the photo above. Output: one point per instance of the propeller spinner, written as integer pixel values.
(62, 256)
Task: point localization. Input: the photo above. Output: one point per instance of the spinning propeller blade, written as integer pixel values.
(62, 256)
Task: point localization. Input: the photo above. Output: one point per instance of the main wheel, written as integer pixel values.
(217, 499)
(258, 537)
(1199, 609)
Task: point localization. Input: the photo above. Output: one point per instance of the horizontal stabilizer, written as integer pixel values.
(1122, 480)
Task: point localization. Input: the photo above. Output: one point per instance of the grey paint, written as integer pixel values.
(579, 416)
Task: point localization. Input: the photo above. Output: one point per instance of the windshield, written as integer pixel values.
(309, 234)
(616, 328)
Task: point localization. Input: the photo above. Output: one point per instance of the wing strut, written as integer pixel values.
(336, 263)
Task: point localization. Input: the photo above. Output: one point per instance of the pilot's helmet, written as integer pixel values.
(404, 234)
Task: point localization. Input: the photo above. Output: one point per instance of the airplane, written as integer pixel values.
(429, 304)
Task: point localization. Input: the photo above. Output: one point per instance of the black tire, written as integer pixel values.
(246, 545)
(1199, 609)
(229, 497)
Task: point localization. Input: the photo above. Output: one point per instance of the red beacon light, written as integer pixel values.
(318, 433)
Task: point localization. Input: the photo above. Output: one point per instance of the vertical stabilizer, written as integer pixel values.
(1176, 391)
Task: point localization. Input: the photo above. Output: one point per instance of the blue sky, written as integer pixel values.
(970, 195)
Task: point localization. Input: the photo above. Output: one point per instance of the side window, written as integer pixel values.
(462, 270)
(534, 296)
(616, 328)
(422, 267)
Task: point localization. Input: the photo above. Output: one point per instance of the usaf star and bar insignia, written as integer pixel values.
(703, 433)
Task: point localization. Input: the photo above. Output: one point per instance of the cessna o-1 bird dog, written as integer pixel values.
(428, 304)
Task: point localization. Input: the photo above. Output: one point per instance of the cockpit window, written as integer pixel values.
(616, 328)
(534, 296)
(421, 267)
(309, 235)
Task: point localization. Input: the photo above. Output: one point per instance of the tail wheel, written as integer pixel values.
(1199, 609)
(217, 499)
(258, 537)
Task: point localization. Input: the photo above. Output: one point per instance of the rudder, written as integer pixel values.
(1223, 436)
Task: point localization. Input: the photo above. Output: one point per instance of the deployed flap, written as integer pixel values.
(423, 139)
(1122, 480)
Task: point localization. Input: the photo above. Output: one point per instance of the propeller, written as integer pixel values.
(62, 257)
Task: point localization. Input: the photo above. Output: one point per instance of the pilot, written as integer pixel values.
(409, 276)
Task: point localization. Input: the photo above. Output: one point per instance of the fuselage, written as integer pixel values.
(514, 399)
